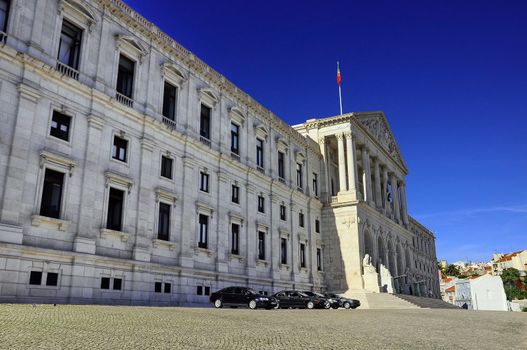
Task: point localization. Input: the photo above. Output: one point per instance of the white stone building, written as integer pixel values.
(131, 172)
(484, 292)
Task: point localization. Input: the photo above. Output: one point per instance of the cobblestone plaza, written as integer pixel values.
(122, 327)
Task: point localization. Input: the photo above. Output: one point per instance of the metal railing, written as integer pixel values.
(3, 38)
(125, 100)
(67, 70)
(205, 140)
(235, 156)
(169, 122)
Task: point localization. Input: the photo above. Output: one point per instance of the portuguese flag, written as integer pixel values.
(338, 74)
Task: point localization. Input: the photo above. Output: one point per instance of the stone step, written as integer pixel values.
(381, 301)
(426, 302)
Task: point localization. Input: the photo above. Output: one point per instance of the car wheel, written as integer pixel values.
(347, 305)
(327, 306)
(252, 304)
(277, 305)
(310, 305)
(218, 304)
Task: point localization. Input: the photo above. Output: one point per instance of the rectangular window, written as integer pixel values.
(283, 216)
(199, 290)
(204, 127)
(163, 229)
(4, 11)
(261, 204)
(60, 126)
(207, 290)
(235, 138)
(125, 76)
(315, 184)
(299, 175)
(235, 239)
(261, 245)
(259, 153)
(117, 284)
(169, 101)
(119, 149)
(114, 220)
(235, 195)
(168, 288)
(317, 226)
(157, 287)
(319, 259)
(52, 279)
(105, 283)
(281, 169)
(283, 251)
(301, 219)
(35, 278)
(166, 167)
(203, 230)
(70, 45)
(52, 194)
(204, 182)
(302, 255)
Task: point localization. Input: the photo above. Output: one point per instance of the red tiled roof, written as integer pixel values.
(508, 257)
(451, 289)
(446, 279)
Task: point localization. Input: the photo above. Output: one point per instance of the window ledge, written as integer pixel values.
(107, 233)
(285, 267)
(304, 269)
(261, 262)
(204, 251)
(236, 257)
(160, 243)
(39, 220)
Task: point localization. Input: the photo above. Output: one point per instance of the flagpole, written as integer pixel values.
(340, 91)
(340, 100)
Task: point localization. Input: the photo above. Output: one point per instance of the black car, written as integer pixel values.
(338, 301)
(241, 296)
(324, 303)
(294, 299)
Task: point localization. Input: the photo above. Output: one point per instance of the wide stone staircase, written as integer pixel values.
(398, 301)
(429, 303)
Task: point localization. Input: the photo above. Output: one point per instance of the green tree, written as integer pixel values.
(510, 277)
(452, 270)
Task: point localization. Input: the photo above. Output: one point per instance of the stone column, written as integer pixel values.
(326, 191)
(385, 203)
(189, 217)
(342, 164)
(17, 166)
(367, 175)
(87, 228)
(377, 174)
(145, 205)
(223, 227)
(395, 198)
(352, 166)
(403, 202)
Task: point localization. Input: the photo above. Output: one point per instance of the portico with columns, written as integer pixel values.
(365, 199)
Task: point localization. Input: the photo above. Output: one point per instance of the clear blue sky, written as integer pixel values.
(451, 77)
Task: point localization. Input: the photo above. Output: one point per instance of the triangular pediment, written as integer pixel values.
(378, 127)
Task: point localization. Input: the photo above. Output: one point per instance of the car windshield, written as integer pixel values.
(302, 294)
(250, 291)
(311, 294)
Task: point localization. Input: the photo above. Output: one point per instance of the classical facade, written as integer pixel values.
(131, 172)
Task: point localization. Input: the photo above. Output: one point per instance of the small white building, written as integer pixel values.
(481, 293)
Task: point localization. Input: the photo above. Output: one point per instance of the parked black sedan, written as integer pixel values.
(325, 302)
(339, 301)
(241, 296)
(294, 299)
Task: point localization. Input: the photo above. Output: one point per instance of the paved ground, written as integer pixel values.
(118, 327)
